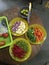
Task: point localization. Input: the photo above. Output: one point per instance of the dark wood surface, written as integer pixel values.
(4, 53)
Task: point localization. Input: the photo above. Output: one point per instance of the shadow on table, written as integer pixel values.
(2, 63)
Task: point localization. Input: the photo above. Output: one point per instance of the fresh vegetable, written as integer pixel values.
(23, 45)
(18, 51)
(15, 26)
(30, 34)
(35, 34)
(24, 12)
(2, 43)
(18, 27)
(5, 35)
(38, 33)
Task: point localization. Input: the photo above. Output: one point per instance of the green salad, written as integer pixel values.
(30, 34)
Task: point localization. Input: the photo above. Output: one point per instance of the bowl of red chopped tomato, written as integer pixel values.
(20, 50)
(36, 34)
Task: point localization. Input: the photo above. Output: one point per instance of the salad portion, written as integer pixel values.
(18, 26)
(36, 34)
(20, 50)
(5, 38)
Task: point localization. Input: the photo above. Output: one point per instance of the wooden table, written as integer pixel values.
(4, 53)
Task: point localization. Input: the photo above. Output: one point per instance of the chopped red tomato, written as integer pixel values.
(5, 35)
(18, 51)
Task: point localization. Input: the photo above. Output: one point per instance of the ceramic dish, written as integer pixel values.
(36, 34)
(20, 50)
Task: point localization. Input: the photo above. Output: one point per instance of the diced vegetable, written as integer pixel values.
(5, 35)
(18, 27)
(31, 35)
(18, 51)
(15, 26)
(38, 33)
(24, 12)
(2, 43)
(23, 45)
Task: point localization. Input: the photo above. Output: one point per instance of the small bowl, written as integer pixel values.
(35, 39)
(24, 12)
(23, 28)
(27, 48)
